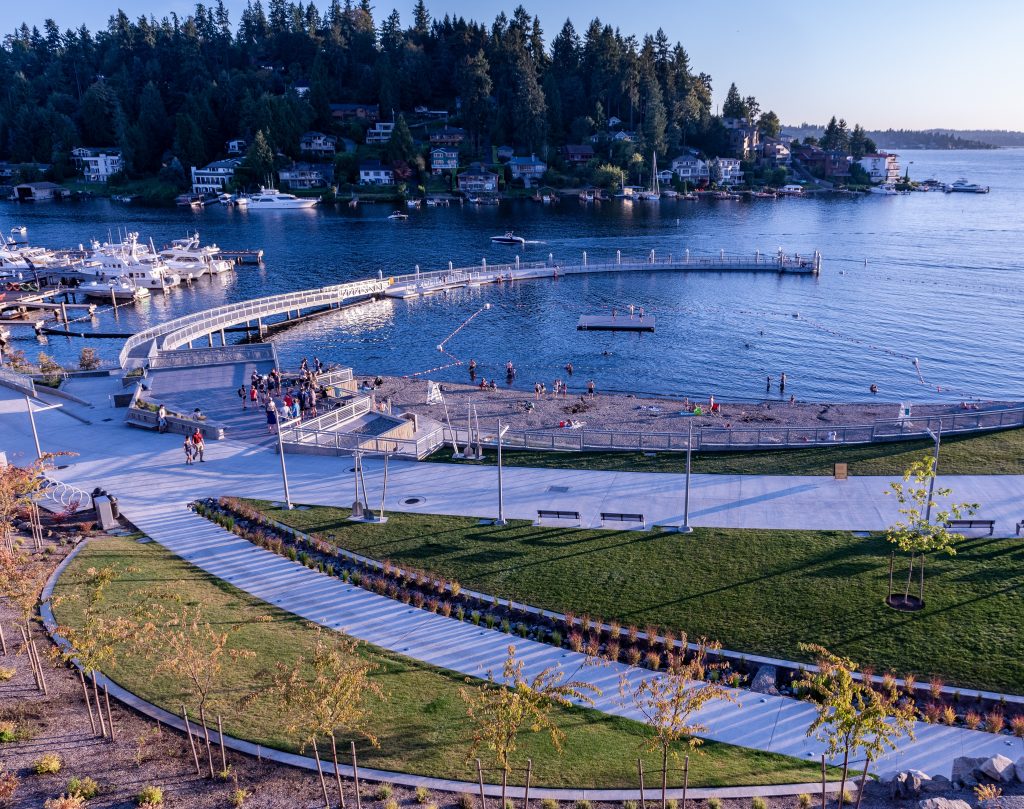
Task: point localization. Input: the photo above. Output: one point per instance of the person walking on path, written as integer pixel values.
(188, 450)
(161, 419)
(243, 396)
(198, 446)
(271, 416)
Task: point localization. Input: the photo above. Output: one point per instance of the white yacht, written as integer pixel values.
(191, 261)
(963, 187)
(118, 289)
(128, 260)
(272, 199)
(16, 259)
(886, 189)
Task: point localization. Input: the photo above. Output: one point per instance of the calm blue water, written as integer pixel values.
(943, 283)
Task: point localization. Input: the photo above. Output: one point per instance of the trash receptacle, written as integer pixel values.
(113, 506)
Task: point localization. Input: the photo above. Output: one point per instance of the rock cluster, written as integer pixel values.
(967, 773)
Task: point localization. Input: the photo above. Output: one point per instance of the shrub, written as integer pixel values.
(987, 792)
(150, 796)
(582, 804)
(935, 687)
(460, 613)
(48, 764)
(804, 801)
(629, 805)
(490, 620)
(384, 791)
(633, 656)
(932, 713)
(8, 785)
(239, 797)
(422, 794)
(549, 803)
(653, 660)
(87, 360)
(611, 651)
(390, 803)
(8, 731)
(576, 641)
(672, 803)
(847, 798)
(6, 673)
(972, 719)
(714, 803)
(758, 803)
(465, 801)
(949, 715)
(65, 802)
(1017, 725)
(556, 638)
(506, 626)
(509, 804)
(522, 629)
(994, 721)
(474, 618)
(85, 787)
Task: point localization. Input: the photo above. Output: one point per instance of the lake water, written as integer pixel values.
(932, 276)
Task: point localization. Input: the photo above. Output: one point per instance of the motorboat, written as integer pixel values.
(791, 190)
(963, 187)
(509, 238)
(885, 189)
(117, 289)
(763, 195)
(272, 199)
(191, 260)
(398, 215)
(412, 203)
(130, 260)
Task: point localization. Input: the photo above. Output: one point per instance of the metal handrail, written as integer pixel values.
(20, 382)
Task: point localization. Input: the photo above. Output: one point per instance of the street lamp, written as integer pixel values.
(937, 438)
(284, 470)
(501, 494)
(685, 528)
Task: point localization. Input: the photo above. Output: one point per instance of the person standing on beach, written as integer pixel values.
(590, 389)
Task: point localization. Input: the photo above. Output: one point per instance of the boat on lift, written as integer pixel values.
(191, 260)
(509, 238)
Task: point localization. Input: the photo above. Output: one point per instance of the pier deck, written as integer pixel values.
(625, 322)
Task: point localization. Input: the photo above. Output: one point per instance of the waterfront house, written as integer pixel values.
(426, 112)
(881, 167)
(236, 146)
(837, 165)
(774, 153)
(578, 154)
(318, 145)
(97, 164)
(727, 170)
(447, 136)
(527, 169)
(744, 139)
(38, 192)
(443, 159)
(691, 169)
(478, 180)
(614, 121)
(373, 172)
(666, 176)
(213, 178)
(622, 136)
(358, 112)
(504, 153)
(380, 133)
(305, 176)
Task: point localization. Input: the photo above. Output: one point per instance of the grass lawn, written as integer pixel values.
(422, 727)
(999, 453)
(755, 591)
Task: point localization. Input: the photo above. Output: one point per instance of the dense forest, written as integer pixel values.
(923, 138)
(183, 87)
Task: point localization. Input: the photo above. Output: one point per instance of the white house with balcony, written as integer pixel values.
(214, 178)
(373, 172)
(380, 133)
(881, 167)
(527, 169)
(318, 145)
(97, 164)
(691, 169)
(727, 169)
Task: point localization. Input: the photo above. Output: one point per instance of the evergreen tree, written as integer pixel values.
(258, 165)
(733, 106)
(769, 125)
(474, 84)
(401, 145)
(655, 121)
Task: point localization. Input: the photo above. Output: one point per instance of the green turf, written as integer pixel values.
(422, 727)
(999, 453)
(755, 591)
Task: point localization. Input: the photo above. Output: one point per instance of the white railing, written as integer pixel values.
(333, 441)
(20, 382)
(254, 352)
(722, 438)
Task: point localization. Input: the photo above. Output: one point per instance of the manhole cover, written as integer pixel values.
(558, 489)
(413, 501)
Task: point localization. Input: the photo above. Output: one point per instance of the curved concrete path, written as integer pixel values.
(153, 485)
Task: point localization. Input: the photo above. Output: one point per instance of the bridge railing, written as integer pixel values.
(183, 358)
(19, 382)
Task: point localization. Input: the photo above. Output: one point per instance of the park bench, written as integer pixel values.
(968, 523)
(622, 516)
(147, 420)
(557, 514)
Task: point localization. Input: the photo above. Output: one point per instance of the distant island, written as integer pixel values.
(924, 138)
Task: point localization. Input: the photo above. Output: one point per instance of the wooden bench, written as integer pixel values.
(557, 514)
(990, 524)
(621, 516)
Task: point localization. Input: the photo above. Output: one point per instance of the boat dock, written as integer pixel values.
(612, 322)
(420, 284)
(243, 256)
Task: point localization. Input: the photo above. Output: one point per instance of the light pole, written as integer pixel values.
(501, 493)
(284, 470)
(685, 527)
(937, 437)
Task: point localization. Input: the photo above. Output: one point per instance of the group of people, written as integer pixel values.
(298, 396)
(782, 384)
(194, 447)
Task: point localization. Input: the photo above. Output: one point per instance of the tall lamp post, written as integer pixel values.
(284, 469)
(501, 494)
(685, 527)
(937, 438)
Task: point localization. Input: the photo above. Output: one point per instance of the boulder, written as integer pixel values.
(1019, 769)
(935, 785)
(963, 770)
(764, 680)
(942, 803)
(905, 785)
(998, 768)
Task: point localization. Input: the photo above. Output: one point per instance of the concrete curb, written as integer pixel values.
(147, 709)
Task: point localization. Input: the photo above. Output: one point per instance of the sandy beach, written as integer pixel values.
(521, 409)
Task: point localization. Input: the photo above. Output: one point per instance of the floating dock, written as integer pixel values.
(243, 256)
(625, 322)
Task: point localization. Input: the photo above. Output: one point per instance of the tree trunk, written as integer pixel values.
(110, 716)
(320, 772)
(842, 781)
(686, 778)
(664, 776)
(863, 781)
(529, 774)
(191, 741)
(99, 710)
(504, 784)
(337, 770)
(480, 778)
(823, 781)
(640, 772)
(88, 702)
(206, 736)
(355, 777)
(910, 577)
(3, 640)
(921, 566)
(223, 752)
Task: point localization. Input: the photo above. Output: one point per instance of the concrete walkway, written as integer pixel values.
(153, 485)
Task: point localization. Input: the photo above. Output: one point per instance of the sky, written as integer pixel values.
(910, 64)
